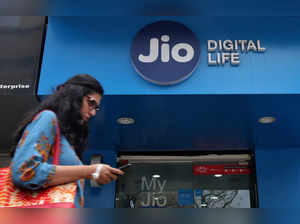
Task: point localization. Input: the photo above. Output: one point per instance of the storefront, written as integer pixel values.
(207, 181)
(201, 85)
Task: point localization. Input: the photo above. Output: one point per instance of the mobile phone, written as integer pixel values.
(123, 167)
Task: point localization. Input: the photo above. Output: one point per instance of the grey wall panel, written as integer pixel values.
(21, 42)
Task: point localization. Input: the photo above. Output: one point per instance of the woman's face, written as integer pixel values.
(90, 104)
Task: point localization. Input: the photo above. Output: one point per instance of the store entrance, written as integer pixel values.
(200, 181)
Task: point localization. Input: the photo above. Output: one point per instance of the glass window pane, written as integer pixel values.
(180, 185)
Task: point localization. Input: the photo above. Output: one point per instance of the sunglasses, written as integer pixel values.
(92, 103)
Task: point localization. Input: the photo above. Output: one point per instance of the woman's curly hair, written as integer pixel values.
(66, 103)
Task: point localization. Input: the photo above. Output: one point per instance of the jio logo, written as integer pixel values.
(165, 52)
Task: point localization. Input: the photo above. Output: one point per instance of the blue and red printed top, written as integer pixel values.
(32, 166)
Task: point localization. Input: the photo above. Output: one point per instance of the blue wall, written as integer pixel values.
(104, 196)
(278, 177)
(101, 46)
(173, 7)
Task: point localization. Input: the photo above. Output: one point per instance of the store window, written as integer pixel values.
(211, 181)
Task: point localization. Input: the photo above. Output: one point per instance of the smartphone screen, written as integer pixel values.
(123, 167)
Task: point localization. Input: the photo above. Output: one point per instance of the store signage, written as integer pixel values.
(229, 169)
(228, 51)
(165, 52)
(16, 87)
(154, 189)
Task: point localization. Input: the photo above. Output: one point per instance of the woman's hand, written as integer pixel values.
(108, 174)
(67, 174)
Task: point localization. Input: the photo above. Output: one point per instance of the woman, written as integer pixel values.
(71, 106)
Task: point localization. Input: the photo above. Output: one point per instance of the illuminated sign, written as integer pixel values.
(165, 52)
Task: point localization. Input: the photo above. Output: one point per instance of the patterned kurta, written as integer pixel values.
(32, 163)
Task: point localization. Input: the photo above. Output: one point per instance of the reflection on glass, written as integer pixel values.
(171, 185)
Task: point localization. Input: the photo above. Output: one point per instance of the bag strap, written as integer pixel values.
(56, 149)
